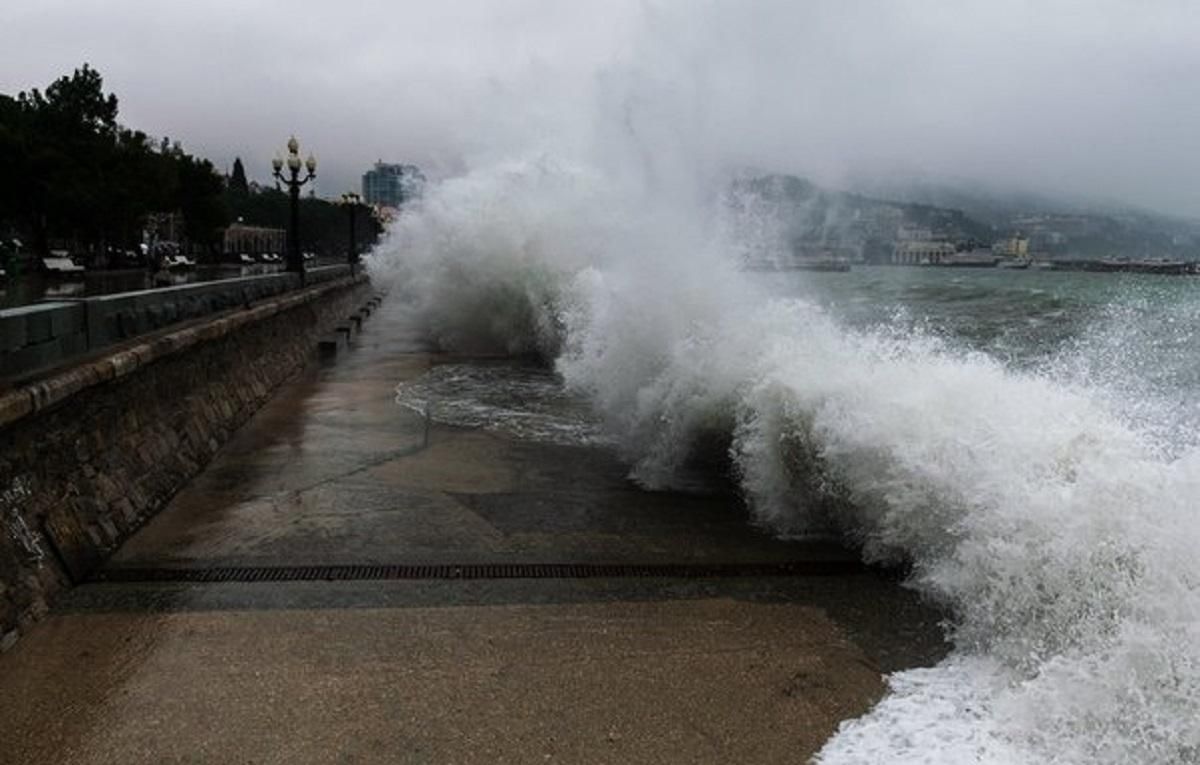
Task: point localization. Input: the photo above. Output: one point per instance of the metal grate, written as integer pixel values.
(360, 573)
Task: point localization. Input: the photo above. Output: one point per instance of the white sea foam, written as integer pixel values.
(1060, 535)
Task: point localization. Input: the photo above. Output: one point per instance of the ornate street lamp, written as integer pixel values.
(353, 203)
(295, 260)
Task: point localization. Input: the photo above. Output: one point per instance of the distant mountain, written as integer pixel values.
(1076, 228)
(993, 206)
(802, 218)
(873, 215)
(916, 212)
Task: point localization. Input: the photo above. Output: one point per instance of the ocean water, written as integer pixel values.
(1025, 441)
(518, 397)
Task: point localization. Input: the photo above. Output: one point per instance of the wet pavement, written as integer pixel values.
(333, 472)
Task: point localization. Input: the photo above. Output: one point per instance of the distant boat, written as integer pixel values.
(965, 260)
(1015, 264)
(977, 258)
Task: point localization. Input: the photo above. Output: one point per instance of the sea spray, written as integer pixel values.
(1055, 528)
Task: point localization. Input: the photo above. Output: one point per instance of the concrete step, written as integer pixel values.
(329, 345)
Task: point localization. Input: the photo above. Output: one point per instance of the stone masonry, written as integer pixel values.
(89, 454)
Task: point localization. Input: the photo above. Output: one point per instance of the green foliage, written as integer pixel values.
(74, 173)
(237, 178)
(199, 197)
(12, 156)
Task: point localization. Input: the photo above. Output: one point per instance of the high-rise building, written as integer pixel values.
(391, 185)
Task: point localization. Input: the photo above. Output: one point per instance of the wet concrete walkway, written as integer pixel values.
(754, 669)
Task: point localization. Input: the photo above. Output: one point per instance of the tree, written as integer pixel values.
(73, 173)
(13, 159)
(75, 105)
(237, 180)
(200, 201)
(63, 139)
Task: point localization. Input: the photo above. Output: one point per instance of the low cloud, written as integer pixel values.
(1093, 99)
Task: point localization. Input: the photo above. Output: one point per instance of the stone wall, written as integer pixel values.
(88, 454)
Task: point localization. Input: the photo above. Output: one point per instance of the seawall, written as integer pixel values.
(91, 450)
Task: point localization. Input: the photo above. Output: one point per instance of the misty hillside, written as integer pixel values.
(818, 222)
(1084, 227)
(867, 225)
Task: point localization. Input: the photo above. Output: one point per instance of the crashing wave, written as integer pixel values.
(1060, 535)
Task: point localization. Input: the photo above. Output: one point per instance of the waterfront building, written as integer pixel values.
(909, 233)
(922, 253)
(388, 185)
(1013, 247)
(240, 238)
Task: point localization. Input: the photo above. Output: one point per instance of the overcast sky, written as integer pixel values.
(1088, 97)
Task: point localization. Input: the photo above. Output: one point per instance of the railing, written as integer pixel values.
(42, 335)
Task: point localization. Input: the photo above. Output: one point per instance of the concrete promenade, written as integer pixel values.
(622, 669)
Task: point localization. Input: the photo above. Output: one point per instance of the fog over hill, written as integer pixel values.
(870, 216)
(996, 203)
(1063, 96)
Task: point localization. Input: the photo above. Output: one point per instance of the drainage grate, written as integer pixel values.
(360, 573)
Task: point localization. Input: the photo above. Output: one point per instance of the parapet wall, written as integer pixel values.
(41, 335)
(89, 453)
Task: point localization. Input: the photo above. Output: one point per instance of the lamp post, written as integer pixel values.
(353, 203)
(295, 261)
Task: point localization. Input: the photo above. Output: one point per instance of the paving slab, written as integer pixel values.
(333, 472)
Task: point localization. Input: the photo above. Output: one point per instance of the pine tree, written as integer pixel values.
(237, 179)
